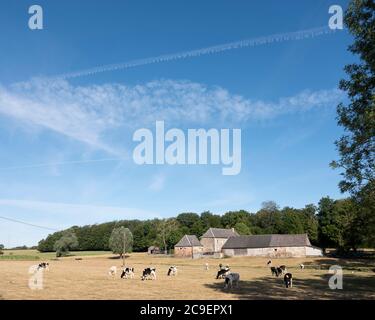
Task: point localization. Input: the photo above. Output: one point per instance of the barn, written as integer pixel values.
(214, 238)
(271, 245)
(153, 250)
(189, 246)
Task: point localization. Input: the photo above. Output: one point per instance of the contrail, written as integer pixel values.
(59, 163)
(281, 37)
(28, 224)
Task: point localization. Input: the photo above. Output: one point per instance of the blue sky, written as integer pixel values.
(282, 96)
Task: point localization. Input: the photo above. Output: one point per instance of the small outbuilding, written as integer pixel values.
(214, 239)
(272, 246)
(189, 246)
(153, 250)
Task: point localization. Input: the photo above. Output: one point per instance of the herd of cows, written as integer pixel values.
(230, 278)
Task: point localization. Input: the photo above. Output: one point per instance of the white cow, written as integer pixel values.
(112, 271)
(231, 279)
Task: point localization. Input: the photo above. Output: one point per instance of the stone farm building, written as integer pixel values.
(272, 246)
(189, 246)
(153, 250)
(214, 238)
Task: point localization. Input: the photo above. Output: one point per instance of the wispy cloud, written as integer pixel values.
(75, 213)
(157, 183)
(91, 113)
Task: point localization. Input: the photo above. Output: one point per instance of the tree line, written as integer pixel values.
(330, 224)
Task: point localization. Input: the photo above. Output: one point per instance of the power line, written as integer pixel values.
(28, 224)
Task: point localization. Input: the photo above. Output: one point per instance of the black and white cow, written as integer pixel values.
(172, 271)
(127, 273)
(288, 280)
(283, 269)
(149, 273)
(231, 279)
(276, 271)
(43, 265)
(222, 272)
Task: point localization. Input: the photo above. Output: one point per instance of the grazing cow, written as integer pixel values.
(149, 273)
(275, 271)
(127, 272)
(172, 271)
(43, 265)
(230, 279)
(288, 280)
(112, 271)
(302, 266)
(283, 269)
(269, 262)
(222, 273)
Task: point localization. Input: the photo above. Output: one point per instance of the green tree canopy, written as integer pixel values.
(121, 241)
(357, 146)
(67, 242)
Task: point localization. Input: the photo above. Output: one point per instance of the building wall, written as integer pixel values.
(188, 252)
(213, 244)
(208, 244)
(275, 252)
(314, 252)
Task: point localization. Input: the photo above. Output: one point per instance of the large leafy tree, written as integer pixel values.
(338, 226)
(67, 242)
(310, 222)
(357, 146)
(121, 241)
(167, 233)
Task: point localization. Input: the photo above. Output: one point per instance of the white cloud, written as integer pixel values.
(91, 113)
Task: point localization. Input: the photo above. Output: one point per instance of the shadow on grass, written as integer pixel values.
(268, 288)
(117, 257)
(352, 265)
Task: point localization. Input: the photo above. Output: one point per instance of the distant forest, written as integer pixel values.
(330, 224)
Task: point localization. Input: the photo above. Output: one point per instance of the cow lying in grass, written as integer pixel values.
(149, 273)
(231, 279)
(288, 280)
(172, 271)
(127, 273)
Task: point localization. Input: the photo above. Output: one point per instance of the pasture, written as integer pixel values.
(88, 278)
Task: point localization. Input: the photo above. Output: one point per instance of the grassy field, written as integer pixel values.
(36, 255)
(88, 278)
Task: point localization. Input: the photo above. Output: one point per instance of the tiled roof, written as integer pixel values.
(268, 240)
(189, 241)
(219, 233)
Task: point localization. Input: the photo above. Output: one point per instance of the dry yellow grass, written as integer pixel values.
(89, 279)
